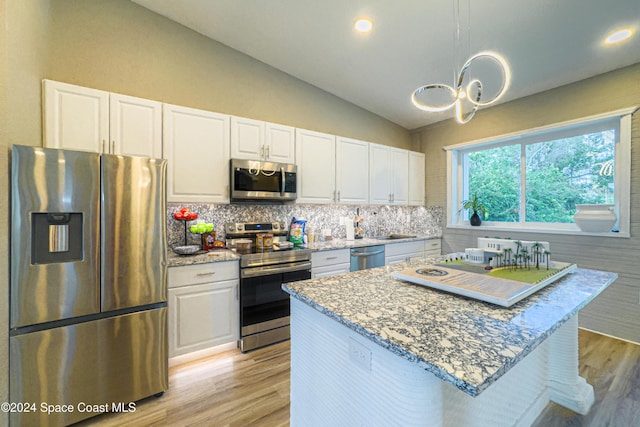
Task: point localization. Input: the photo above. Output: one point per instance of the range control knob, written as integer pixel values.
(276, 226)
(231, 228)
(240, 227)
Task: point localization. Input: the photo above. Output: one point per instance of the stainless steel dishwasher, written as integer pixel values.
(367, 257)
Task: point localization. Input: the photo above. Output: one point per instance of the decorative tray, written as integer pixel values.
(502, 286)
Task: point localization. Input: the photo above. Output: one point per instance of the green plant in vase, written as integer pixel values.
(475, 207)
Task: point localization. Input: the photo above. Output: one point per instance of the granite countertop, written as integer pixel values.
(358, 243)
(467, 343)
(219, 255)
(230, 255)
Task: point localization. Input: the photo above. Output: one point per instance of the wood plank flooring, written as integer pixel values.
(235, 389)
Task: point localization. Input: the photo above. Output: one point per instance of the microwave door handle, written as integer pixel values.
(283, 178)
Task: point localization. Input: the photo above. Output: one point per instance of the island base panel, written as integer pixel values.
(339, 377)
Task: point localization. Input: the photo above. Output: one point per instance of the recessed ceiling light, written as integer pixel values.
(363, 25)
(619, 36)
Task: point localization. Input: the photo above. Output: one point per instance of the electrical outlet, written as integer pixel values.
(359, 354)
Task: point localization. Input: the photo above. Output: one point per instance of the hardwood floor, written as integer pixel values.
(235, 389)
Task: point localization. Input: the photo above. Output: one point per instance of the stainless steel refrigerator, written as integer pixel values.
(88, 283)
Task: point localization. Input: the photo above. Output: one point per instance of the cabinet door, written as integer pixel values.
(247, 139)
(399, 176)
(316, 160)
(203, 316)
(280, 142)
(379, 189)
(196, 146)
(75, 117)
(416, 178)
(135, 126)
(352, 171)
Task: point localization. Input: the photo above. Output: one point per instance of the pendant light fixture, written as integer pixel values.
(461, 94)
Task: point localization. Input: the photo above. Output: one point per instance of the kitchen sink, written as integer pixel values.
(395, 236)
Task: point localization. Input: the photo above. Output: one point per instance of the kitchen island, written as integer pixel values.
(369, 349)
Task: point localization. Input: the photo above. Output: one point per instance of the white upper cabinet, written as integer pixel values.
(280, 142)
(379, 183)
(75, 117)
(80, 118)
(399, 176)
(258, 140)
(316, 160)
(247, 138)
(352, 171)
(196, 146)
(135, 126)
(416, 178)
(388, 175)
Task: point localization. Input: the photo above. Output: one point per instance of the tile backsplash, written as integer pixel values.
(378, 220)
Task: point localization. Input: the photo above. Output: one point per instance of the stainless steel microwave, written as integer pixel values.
(253, 180)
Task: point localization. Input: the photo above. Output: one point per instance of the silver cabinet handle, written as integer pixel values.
(113, 147)
(338, 195)
(266, 157)
(104, 146)
(211, 273)
(331, 257)
(262, 151)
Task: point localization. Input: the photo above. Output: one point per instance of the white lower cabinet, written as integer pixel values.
(395, 253)
(433, 247)
(203, 306)
(329, 263)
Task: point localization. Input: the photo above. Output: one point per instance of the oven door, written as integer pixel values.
(255, 180)
(264, 306)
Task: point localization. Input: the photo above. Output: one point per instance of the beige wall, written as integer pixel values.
(119, 46)
(617, 310)
(24, 27)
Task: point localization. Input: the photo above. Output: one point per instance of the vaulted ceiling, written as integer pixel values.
(548, 43)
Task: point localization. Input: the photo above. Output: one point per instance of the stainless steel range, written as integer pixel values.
(264, 306)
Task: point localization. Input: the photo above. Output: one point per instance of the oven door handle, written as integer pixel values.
(263, 271)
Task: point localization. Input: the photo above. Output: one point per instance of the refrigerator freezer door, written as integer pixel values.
(133, 248)
(59, 279)
(108, 363)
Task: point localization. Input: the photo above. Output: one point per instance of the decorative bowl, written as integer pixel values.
(186, 250)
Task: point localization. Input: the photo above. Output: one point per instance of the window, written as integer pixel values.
(533, 180)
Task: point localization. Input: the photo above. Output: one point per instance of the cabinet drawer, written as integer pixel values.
(404, 248)
(433, 247)
(330, 270)
(202, 273)
(434, 244)
(338, 256)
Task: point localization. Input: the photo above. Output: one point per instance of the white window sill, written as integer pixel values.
(573, 231)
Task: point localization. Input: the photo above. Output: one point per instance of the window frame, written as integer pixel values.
(621, 119)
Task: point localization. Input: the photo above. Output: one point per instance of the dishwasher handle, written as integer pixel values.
(366, 254)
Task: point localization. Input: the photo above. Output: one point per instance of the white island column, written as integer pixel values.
(567, 387)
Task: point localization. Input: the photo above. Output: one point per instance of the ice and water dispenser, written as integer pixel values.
(56, 237)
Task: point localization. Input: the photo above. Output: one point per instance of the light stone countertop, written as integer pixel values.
(217, 255)
(465, 342)
(230, 255)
